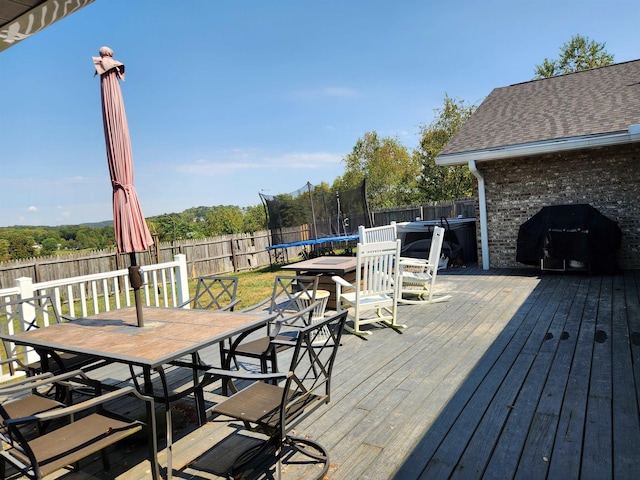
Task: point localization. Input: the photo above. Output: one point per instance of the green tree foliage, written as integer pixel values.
(389, 168)
(22, 246)
(173, 226)
(439, 182)
(4, 250)
(254, 219)
(224, 220)
(292, 210)
(576, 55)
(50, 245)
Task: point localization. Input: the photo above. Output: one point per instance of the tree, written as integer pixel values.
(4, 250)
(224, 220)
(390, 170)
(21, 246)
(576, 55)
(441, 182)
(170, 227)
(254, 219)
(50, 245)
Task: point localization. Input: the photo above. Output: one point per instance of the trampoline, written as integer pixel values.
(332, 216)
(319, 241)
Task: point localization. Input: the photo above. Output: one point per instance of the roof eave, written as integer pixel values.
(565, 144)
(29, 20)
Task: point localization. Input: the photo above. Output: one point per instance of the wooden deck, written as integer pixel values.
(519, 375)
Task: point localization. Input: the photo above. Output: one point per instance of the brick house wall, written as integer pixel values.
(607, 178)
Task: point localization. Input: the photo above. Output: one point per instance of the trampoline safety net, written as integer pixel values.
(328, 213)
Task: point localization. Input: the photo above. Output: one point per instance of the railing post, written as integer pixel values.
(25, 284)
(182, 280)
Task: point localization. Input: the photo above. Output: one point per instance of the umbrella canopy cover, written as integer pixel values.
(131, 231)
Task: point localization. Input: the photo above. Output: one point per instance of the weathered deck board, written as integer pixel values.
(519, 375)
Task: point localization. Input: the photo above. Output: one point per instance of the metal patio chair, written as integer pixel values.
(284, 305)
(31, 313)
(214, 292)
(25, 396)
(64, 446)
(276, 409)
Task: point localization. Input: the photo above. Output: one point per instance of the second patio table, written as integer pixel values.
(325, 267)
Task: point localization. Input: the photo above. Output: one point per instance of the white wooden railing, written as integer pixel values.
(164, 285)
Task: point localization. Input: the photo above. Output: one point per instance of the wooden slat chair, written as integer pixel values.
(66, 445)
(376, 286)
(214, 292)
(384, 233)
(417, 275)
(283, 304)
(276, 409)
(26, 314)
(418, 278)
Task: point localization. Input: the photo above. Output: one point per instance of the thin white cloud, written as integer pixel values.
(239, 160)
(32, 208)
(78, 179)
(62, 212)
(325, 92)
(338, 92)
(47, 180)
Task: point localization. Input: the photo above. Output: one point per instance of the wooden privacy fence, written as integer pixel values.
(434, 211)
(216, 255)
(227, 253)
(223, 254)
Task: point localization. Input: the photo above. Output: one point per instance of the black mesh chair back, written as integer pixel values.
(26, 314)
(277, 408)
(215, 292)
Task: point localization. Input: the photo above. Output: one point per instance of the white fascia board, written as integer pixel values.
(527, 149)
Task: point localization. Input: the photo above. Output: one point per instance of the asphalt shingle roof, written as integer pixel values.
(592, 102)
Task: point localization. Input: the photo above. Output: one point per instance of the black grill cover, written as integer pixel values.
(570, 232)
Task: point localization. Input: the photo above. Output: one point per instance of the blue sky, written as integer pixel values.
(225, 99)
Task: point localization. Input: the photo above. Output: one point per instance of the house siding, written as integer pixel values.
(516, 189)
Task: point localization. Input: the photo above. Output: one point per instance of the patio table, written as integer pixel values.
(325, 267)
(168, 335)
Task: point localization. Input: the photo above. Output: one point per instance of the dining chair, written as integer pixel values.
(17, 403)
(31, 313)
(275, 403)
(287, 316)
(65, 445)
(376, 286)
(214, 292)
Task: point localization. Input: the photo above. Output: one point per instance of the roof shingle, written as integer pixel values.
(599, 101)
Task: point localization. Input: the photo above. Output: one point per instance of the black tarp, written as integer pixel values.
(570, 232)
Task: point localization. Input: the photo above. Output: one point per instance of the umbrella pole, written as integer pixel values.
(136, 282)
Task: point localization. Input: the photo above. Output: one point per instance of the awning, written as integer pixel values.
(19, 19)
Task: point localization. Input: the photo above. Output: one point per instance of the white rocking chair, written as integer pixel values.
(418, 277)
(376, 286)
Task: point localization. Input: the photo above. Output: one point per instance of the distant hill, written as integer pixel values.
(106, 223)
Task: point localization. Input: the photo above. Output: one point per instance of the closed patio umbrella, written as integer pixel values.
(132, 234)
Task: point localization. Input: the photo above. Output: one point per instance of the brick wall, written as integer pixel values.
(606, 178)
